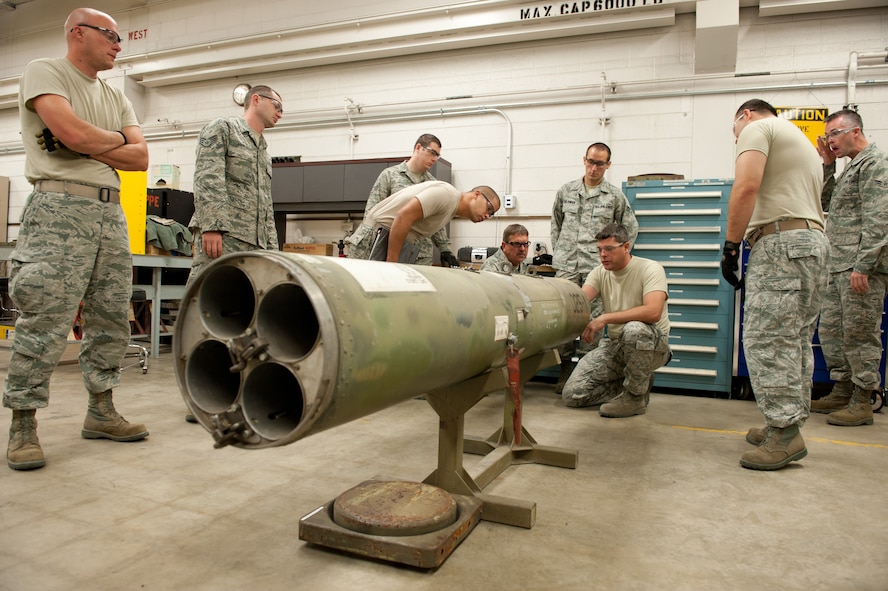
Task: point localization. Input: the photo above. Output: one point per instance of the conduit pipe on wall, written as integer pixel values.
(603, 119)
(849, 84)
(853, 62)
(499, 109)
(366, 119)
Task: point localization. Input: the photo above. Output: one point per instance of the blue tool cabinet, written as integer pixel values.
(682, 226)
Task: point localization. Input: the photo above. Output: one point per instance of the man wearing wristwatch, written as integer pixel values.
(73, 245)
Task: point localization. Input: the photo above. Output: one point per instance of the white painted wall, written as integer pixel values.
(546, 94)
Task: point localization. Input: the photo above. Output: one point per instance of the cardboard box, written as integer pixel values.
(164, 176)
(154, 250)
(321, 249)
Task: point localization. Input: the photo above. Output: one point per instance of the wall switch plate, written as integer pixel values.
(510, 201)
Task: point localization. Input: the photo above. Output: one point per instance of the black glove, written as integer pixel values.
(49, 142)
(448, 260)
(730, 263)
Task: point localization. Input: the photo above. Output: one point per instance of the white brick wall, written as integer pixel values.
(661, 118)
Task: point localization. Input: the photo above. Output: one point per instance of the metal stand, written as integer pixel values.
(501, 450)
(393, 510)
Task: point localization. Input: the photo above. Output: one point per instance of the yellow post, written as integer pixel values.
(133, 190)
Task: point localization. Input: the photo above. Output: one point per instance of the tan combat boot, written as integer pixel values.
(837, 399)
(858, 412)
(780, 447)
(24, 452)
(102, 421)
(756, 435)
(624, 405)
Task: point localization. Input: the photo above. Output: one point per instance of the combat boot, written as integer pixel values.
(837, 399)
(756, 435)
(24, 452)
(780, 447)
(858, 412)
(624, 405)
(102, 421)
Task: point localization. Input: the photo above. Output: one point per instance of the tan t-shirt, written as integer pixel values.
(439, 201)
(626, 288)
(793, 174)
(93, 100)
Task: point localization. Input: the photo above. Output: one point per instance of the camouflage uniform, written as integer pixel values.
(498, 263)
(625, 363)
(390, 181)
(627, 354)
(430, 193)
(857, 228)
(576, 219)
(785, 276)
(70, 249)
(232, 189)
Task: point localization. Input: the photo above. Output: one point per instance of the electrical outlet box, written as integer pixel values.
(510, 201)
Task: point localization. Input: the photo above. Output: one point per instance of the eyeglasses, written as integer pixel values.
(610, 248)
(490, 208)
(598, 163)
(432, 151)
(112, 36)
(519, 244)
(279, 107)
(837, 132)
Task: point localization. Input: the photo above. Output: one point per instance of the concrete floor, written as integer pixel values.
(657, 502)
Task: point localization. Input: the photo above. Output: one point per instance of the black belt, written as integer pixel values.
(781, 226)
(104, 194)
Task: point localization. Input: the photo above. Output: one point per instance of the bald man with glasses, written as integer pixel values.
(73, 245)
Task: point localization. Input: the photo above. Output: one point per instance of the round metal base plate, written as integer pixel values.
(394, 508)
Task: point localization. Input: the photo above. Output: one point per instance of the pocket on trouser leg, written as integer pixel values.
(771, 332)
(27, 286)
(640, 355)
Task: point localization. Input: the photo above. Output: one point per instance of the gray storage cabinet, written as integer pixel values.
(333, 187)
(682, 226)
